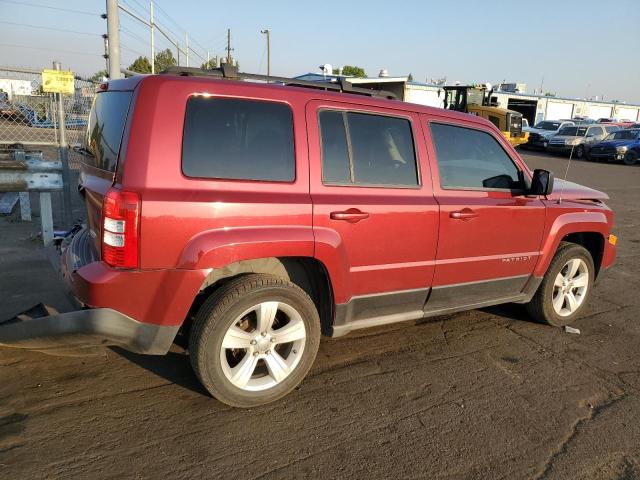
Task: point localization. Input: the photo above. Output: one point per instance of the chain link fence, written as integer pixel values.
(28, 116)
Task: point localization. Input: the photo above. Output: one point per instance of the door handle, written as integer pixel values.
(353, 215)
(464, 214)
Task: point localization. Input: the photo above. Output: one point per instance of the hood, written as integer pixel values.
(574, 191)
(615, 143)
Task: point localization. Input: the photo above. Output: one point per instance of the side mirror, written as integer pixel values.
(541, 183)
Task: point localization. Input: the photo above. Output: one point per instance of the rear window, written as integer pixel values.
(104, 129)
(238, 139)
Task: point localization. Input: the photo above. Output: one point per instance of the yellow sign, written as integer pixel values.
(57, 81)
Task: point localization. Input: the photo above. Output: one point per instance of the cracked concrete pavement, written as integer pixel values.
(480, 394)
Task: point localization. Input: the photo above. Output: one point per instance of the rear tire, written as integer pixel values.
(579, 152)
(566, 287)
(254, 340)
(631, 158)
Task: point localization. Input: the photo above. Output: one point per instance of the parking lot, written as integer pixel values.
(480, 394)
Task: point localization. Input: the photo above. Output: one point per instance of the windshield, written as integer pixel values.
(623, 135)
(548, 125)
(573, 131)
(475, 96)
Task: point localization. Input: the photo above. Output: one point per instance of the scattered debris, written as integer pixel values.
(569, 329)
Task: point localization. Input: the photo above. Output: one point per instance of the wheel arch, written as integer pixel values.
(308, 273)
(588, 229)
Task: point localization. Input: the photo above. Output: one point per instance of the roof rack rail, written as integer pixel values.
(230, 72)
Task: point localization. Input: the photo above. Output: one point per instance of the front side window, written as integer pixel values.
(594, 131)
(238, 139)
(472, 159)
(367, 149)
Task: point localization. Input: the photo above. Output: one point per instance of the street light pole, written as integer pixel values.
(153, 49)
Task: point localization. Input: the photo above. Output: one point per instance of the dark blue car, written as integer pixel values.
(621, 145)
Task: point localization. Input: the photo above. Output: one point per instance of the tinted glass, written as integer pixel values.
(612, 128)
(470, 158)
(238, 139)
(593, 131)
(104, 129)
(335, 153)
(548, 125)
(382, 150)
(381, 153)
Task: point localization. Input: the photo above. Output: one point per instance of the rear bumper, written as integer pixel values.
(139, 310)
(84, 330)
(158, 297)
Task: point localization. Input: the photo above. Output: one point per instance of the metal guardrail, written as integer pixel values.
(23, 171)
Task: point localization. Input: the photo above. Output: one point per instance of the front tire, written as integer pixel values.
(631, 158)
(565, 289)
(579, 152)
(254, 340)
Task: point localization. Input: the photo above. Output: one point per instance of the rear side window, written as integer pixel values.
(238, 139)
(367, 149)
(471, 159)
(104, 129)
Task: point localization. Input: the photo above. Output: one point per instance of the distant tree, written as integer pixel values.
(350, 71)
(549, 94)
(141, 65)
(410, 78)
(164, 60)
(98, 76)
(212, 63)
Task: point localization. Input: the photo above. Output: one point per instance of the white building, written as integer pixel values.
(12, 87)
(533, 107)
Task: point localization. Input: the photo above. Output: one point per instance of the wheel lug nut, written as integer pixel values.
(273, 340)
(268, 352)
(264, 334)
(255, 354)
(253, 342)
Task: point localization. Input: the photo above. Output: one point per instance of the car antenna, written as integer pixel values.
(566, 172)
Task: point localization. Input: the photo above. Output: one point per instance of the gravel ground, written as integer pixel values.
(480, 394)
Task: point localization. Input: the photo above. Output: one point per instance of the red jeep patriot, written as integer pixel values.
(257, 215)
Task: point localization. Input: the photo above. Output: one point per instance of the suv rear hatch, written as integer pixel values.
(101, 153)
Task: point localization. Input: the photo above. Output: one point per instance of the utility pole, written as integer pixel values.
(178, 52)
(186, 41)
(267, 32)
(113, 32)
(153, 49)
(63, 153)
(229, 58)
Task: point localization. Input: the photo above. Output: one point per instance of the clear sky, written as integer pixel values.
(580, 48)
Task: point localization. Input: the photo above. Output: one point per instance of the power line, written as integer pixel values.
(27, 4)
(43, 27)
(133, 35)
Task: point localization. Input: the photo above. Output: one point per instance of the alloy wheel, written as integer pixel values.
(570, 287)
(263, 346)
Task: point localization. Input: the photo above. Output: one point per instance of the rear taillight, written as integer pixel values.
(120, 222)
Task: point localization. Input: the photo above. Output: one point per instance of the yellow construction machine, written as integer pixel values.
(475, 99)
